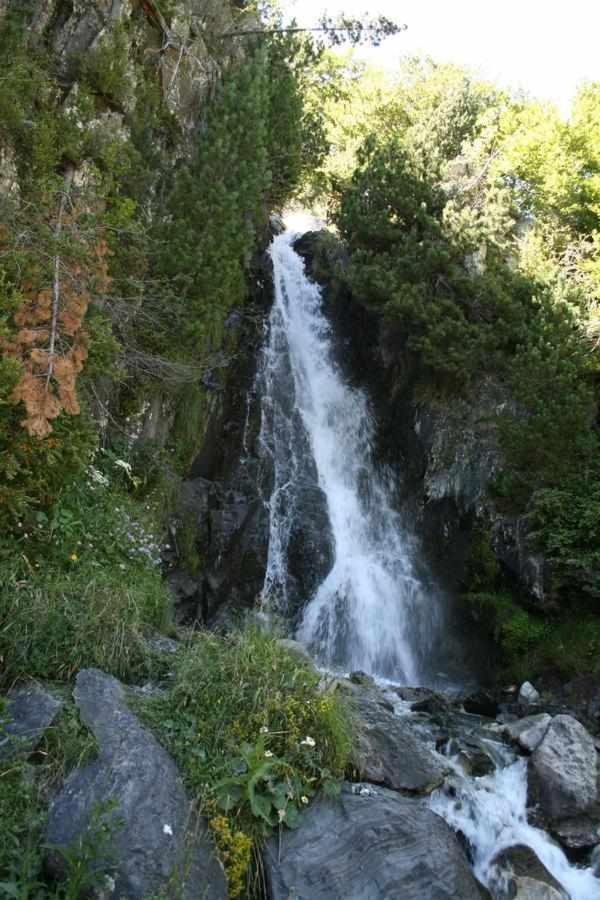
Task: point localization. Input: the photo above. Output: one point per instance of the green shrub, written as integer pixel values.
(81, 583)
(252, 733)
(105, 69)
(518, 632)
(565, 523)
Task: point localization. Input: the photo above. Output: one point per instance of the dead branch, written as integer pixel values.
(69, 175)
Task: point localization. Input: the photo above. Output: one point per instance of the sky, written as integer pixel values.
(546, 47)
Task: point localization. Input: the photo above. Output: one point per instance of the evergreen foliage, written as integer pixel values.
(472, 221)
(149, 257)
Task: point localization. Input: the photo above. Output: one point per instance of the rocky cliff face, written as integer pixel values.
(217, 557)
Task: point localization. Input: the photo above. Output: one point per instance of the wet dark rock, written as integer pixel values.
(311, 550)
(185, 593)
(563, 770)
(529, 879)
(236, 582)
(370, 844)
(155, 833)
(221, 512)
(476, 763)
(29, 711)
(581, 831)
(387, 749)
(414, 694)
(512, 547)
(481, 703)
(434, 705)
(362, 678)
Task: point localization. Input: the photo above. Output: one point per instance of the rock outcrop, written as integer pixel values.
(386, 748)
(529, 879)
(156, 836)
(529, 732)
(371, 844)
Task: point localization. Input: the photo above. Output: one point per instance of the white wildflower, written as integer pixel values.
(122, 464)
(168, 830)
(264, 730)
(268, 754)
(304, 800)
(308, 742)
(97, 476)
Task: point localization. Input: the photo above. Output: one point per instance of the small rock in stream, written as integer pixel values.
(481, 703)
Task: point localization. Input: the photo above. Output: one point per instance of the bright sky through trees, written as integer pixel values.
(546, 47)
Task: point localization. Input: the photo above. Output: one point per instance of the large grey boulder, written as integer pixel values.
(386, 748)
(563, 769)
(156, 836)
(370, 844)
(29, 711)
(529, 732)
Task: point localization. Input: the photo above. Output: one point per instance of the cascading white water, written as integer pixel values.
(371, 611)
(491, 812)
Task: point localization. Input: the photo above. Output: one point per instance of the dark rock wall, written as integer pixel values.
(221, 507)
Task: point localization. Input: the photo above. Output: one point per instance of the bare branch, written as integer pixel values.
(56, 282)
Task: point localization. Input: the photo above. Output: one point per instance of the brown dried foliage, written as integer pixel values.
(48, 382)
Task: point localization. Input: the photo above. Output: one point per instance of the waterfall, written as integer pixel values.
(344, 567)
(371, 611)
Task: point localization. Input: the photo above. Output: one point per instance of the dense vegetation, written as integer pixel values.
(114, 290)
(472, 219)
(256, 753)
(128, 230)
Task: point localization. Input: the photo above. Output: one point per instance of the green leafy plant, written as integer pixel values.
(266, 786)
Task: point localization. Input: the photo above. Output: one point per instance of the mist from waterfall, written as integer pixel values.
(371, 611)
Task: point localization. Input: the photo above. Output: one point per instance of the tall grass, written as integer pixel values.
(52, 624)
